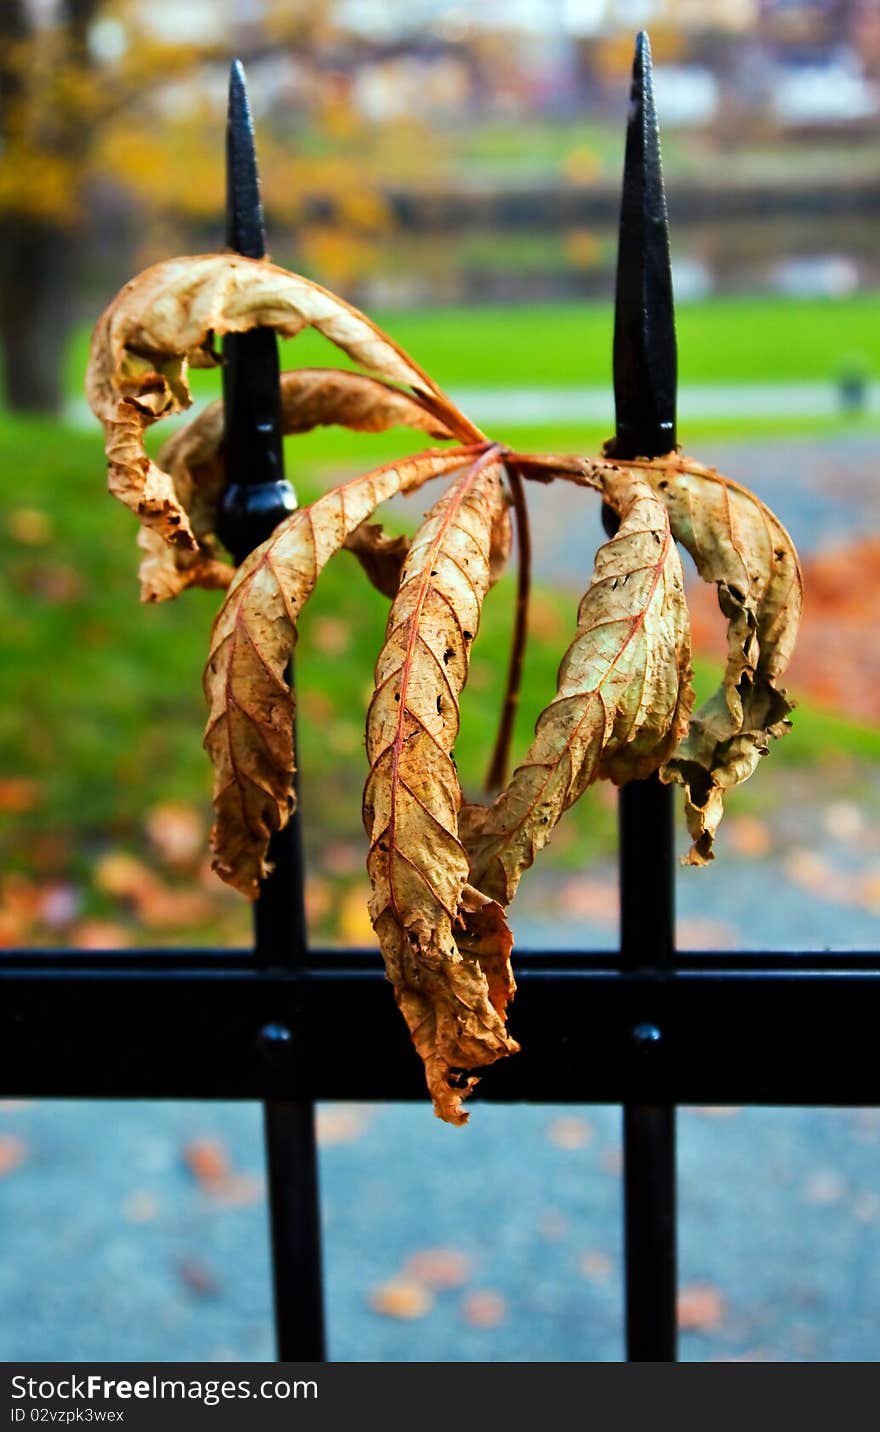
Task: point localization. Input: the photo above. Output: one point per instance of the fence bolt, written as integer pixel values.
(645, 1037)
(275, 1043)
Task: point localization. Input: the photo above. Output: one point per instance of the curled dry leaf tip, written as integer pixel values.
(446, 945)
(741, 546)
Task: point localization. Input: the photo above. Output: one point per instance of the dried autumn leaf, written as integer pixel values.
(249, 735)
(438, 1267)
(623, 694)
(404, 1298)
(483, 1308)
(701, 1307)
(166, 320)
(738, 544)
(446, 946)
(193, 457)
(13, 1152)
(382, 557)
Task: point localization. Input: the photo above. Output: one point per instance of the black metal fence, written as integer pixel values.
(641, 1026)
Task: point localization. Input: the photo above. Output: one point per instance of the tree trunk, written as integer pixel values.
(38, 264)
(38, 258)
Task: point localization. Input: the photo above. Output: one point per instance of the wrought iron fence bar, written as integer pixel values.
(257, 499)
(766, 1036)
(645, 370)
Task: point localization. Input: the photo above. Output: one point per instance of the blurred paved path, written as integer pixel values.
(591, 405)
(111, 1252)
(697, 400)
(826, 491)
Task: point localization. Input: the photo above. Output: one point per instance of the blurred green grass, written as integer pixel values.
(103, 707)
(723, 340)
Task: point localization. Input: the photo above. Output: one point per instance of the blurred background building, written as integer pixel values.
(429, 152)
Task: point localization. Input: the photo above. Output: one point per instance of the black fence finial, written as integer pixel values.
(645, 360)
(244, 210)
(258, 496)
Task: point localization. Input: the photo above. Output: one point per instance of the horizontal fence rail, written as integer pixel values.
(762, 1029)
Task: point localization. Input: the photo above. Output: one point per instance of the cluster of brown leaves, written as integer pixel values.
(442, 872)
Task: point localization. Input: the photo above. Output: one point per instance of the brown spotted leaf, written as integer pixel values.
(193, 457)
(167, 319)
(446, 946)
(738, 544)
(249, 735)
(382, 556)
(623, 694)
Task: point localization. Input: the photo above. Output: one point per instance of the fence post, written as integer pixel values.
(257, 498)
(645, 370)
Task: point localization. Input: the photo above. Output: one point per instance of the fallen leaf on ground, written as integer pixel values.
(237, 1190)
(438, 1267)
(701, 932)
(809, 870)
(100, 935)
(749, 837)
(13, 1152)
(54, 583)
(570, 1132)
(207, 1161)
(331, 636)
(701, 1308)
(13, 929)
(158, 906)
(198, 1278)
(340, 1125)
(121, 875)
(596, 1266)
(18, 794)
(483, 1308)
(29, 526)
(402, 1298)
(176, 832)
(844, 821)
(595, 900)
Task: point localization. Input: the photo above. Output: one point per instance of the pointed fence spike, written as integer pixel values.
(258, 496)
(244, 210)
(645, 358)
